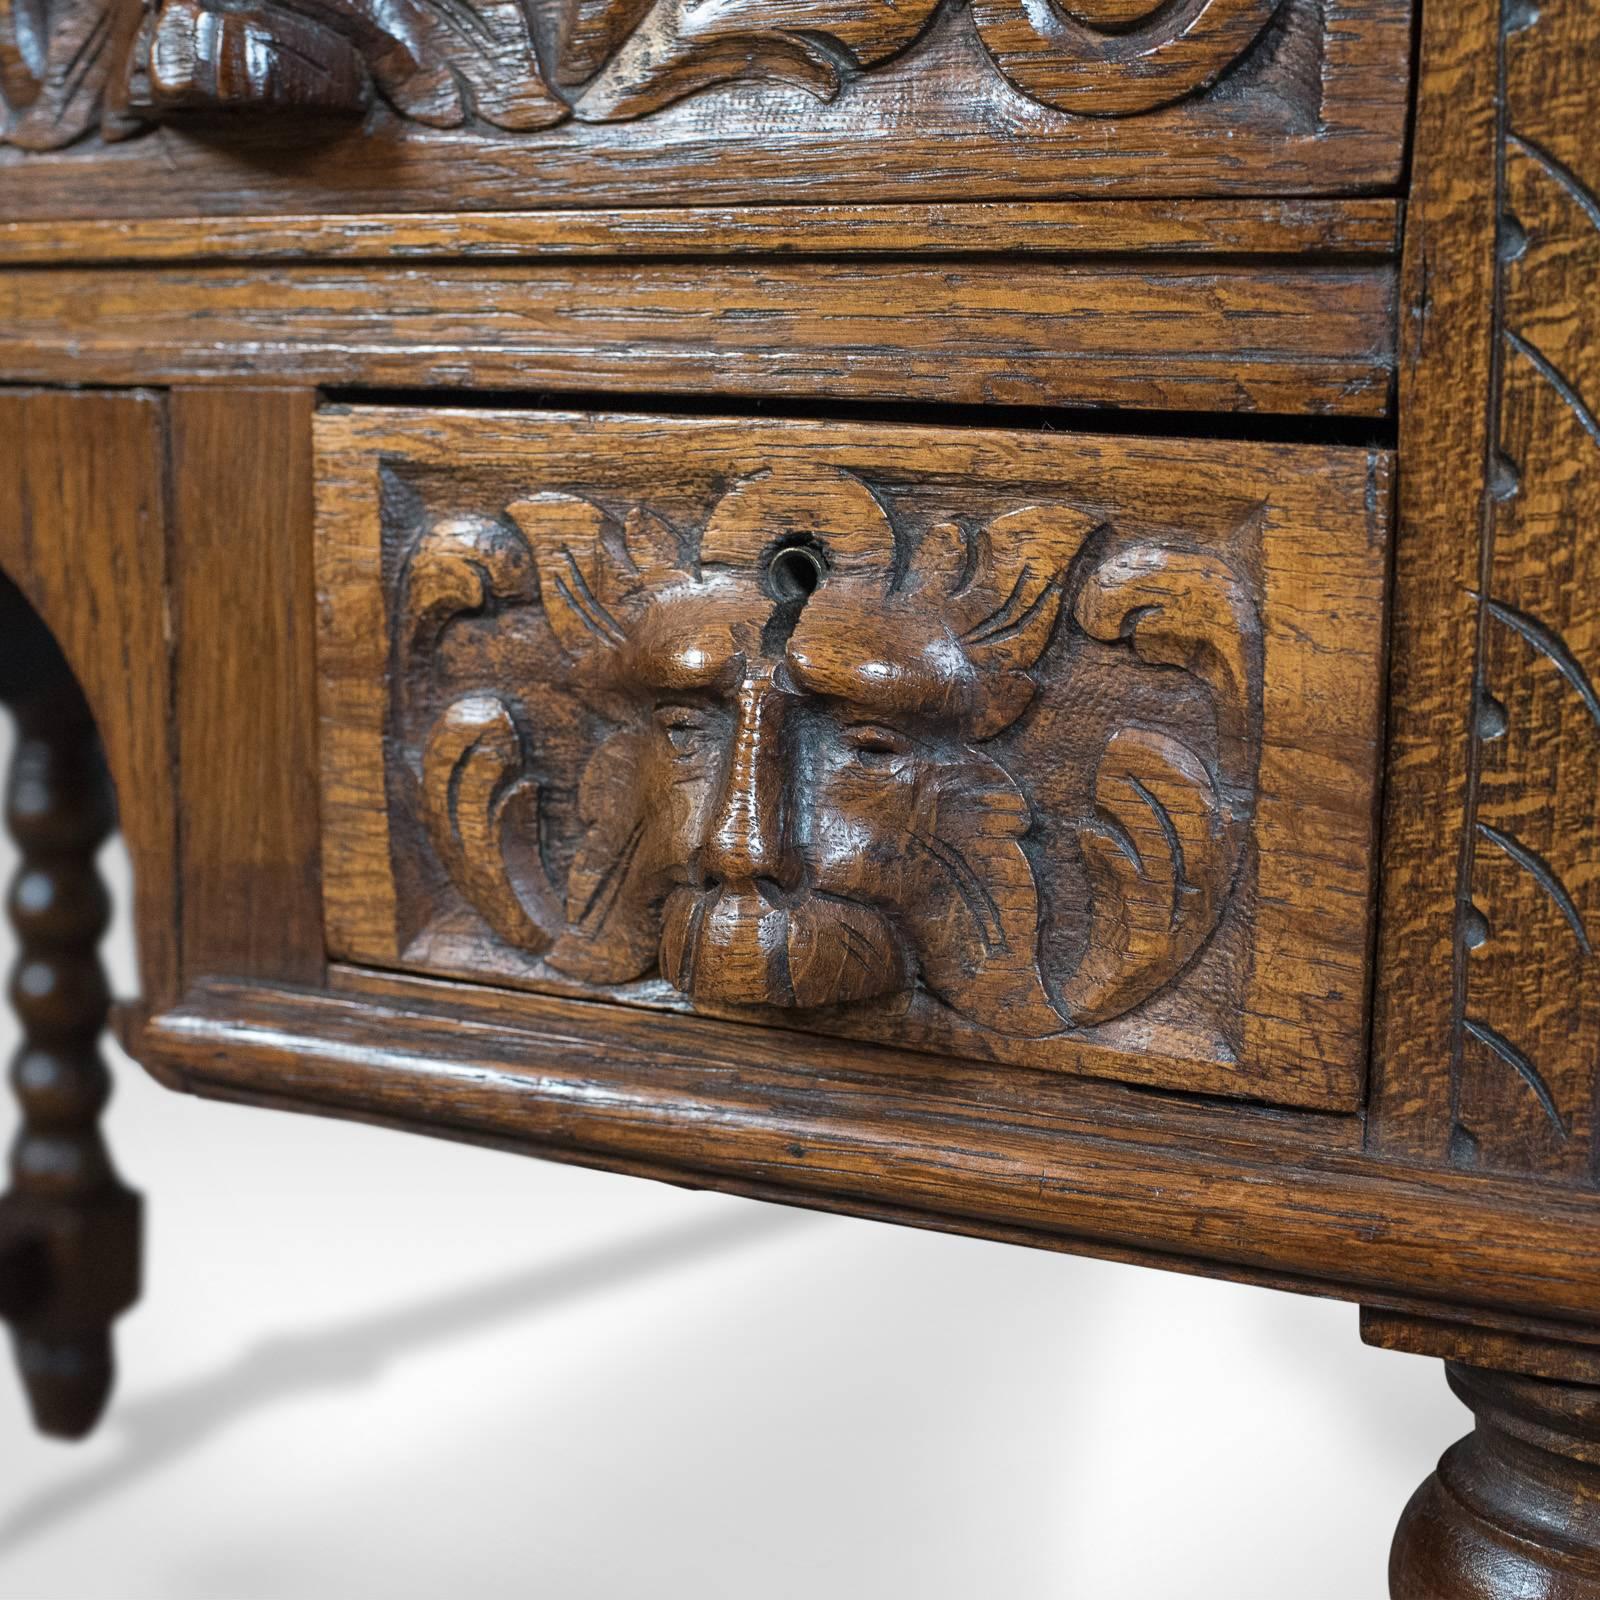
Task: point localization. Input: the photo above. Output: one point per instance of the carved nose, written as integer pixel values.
(745, 847)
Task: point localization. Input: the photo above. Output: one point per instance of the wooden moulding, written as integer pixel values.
(1229, 1191)
(1143, 855)
(1090, 227)
(1196, 333)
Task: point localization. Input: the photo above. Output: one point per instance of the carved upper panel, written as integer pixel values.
(608, 59)
(855, 738)
(1290, 73)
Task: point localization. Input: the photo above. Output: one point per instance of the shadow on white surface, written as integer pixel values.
(154, 1430)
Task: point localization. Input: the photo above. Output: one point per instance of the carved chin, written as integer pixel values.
(737, 949)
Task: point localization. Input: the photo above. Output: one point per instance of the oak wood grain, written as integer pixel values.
(252, 901)
(1202, 337)
(1445, 350)
(1298, 227)
(1497, 738)
(83, 535)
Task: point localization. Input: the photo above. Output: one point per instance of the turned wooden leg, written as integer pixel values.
(69, 1230)
(1513, 1510)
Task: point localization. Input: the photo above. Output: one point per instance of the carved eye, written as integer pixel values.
(874, 745)
(684, 726)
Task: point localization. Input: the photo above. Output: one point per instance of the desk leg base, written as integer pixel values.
(1513, 1510)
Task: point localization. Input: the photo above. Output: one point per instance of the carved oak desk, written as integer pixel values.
(972, 612)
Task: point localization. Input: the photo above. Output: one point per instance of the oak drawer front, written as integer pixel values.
(652, 102)
(1044, 749)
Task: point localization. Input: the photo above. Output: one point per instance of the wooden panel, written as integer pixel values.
(83, 535)
(753, 100)
(1148, 227)
(1448, 284)
(1048, 750)
(1174, 336)
(1529, 1069)
(246, 698)
(1489, 1029)
(876, 1134)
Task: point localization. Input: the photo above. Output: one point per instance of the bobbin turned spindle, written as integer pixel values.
(69, 1229)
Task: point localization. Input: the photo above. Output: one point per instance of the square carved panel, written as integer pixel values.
(1046, 749)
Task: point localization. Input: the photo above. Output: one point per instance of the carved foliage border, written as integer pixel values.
(1525, 1066)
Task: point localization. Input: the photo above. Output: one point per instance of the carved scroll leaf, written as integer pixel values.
(1168, 832)
(1156, 868)
(1188, 609)
(588, 33)
(62, 64)
(202, 57)
(577, 583)
(1012, 602)
(977, 903)
(480, 808)
(1053, 52)
(463, 564)
(438, 62)
(24, 44)
(686, 45)
(443, 62)
(612, 920)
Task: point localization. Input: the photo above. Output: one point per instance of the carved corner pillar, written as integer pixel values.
(69, 1229)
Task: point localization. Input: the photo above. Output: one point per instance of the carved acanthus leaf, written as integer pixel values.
(481, 810)
(1054, 53)
(69, 65)
(1168, 831)
(436, 62)
(686, 45)
(63, 64)
(980, 950)
(479, 805)
(612, 929)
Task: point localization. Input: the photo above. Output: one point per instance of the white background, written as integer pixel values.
(374, 1365)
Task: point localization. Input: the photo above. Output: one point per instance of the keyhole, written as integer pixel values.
(794, 572)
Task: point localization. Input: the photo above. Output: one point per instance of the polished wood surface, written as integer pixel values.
(1191, 335)
(1298, 227)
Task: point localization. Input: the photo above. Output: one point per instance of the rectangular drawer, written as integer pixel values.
(1050, 750)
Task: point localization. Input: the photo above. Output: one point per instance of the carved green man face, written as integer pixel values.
(793, 805)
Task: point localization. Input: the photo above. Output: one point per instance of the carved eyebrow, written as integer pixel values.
(686, 664)
(907, 689)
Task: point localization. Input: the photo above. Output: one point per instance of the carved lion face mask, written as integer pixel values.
(793, 805)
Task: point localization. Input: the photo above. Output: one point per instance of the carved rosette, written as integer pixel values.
(69, 67)
(797, 756)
